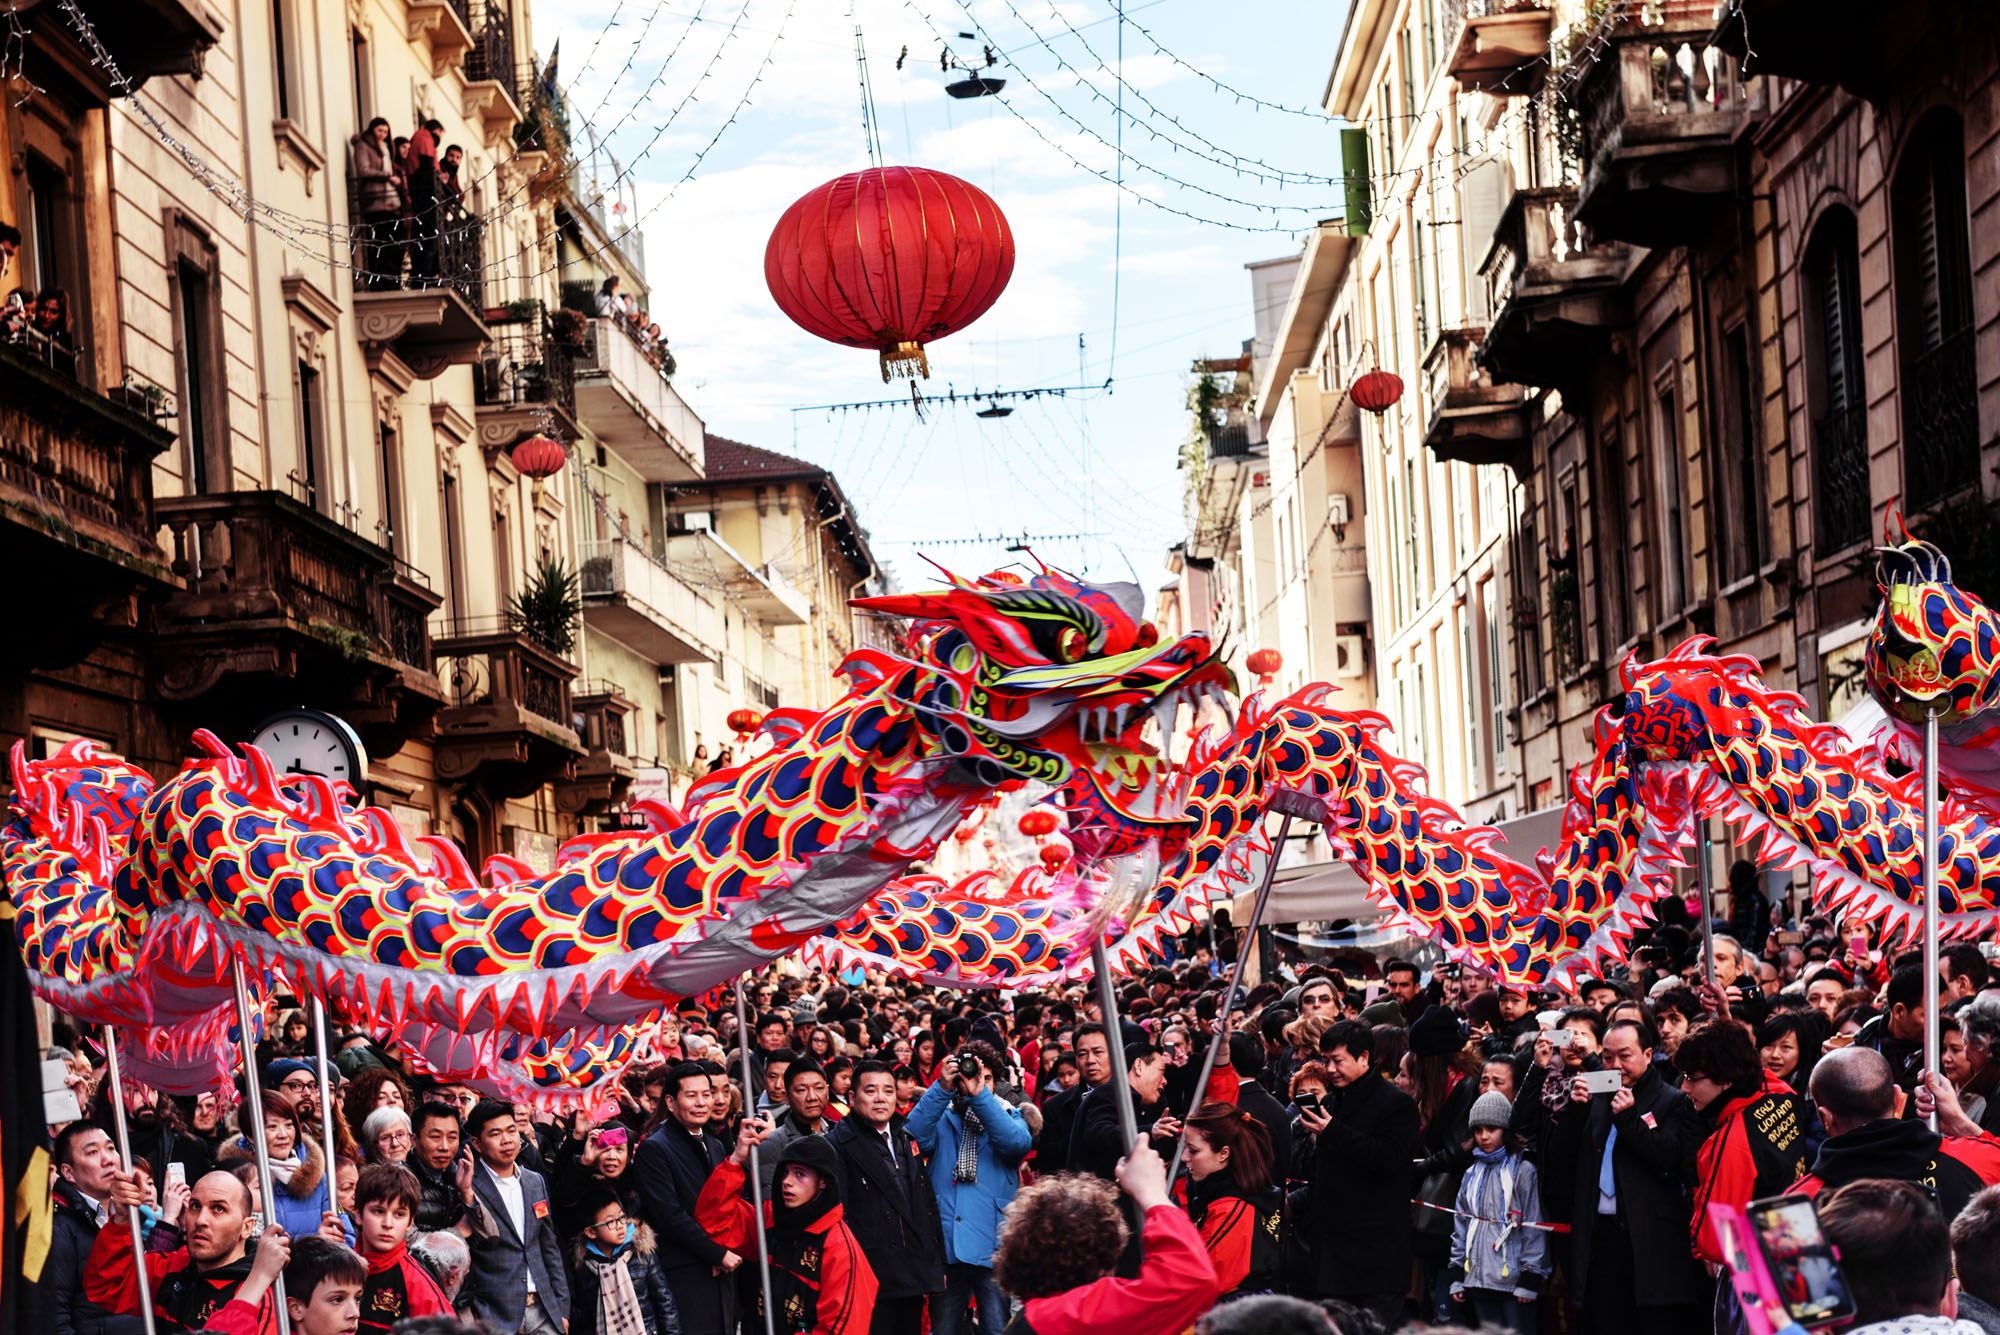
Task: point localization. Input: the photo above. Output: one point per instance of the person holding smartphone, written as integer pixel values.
(1614, 1164)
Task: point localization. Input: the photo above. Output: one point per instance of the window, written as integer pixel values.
(53, 251)
(312, 466)
(1496, 676)
(503, 556)
(1409, 81)
(454, 547)
(1614, 557)
(1742, 525)
(1394, 315)
(1469, 692)
(1566, 579)
(364, 78)
(1528, 599)
(1417, 281)
(1829, 298)
(1934, 340)
(1670, 513)
(1430, 33)
(284, 51)
(1412, 561)
(198, 356)
(389, 447)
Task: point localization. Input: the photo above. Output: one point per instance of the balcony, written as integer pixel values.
(640, 603)
(422, 299)
(282, 604)
(1859, 45)
(760, 590)
(1473, 420)
(630, 404)
(1661, 111)
(527, 380)
(444, 27)
(506, 723)
(1498, 46)
(145, 39)
(76, 507)
(1555, 292)
(603, 777)
(492, 79)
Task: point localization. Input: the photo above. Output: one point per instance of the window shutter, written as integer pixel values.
(1482, 197)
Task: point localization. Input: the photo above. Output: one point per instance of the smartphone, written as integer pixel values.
(59, 1103)
(1791, 938)
(1601, 1082)
(177, 1174)
(1560, 1038)
(1804, 1265)
(1307, 1102)
(1858, 947)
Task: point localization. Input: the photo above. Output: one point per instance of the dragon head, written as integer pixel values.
(1052, 679)
(1935, 648)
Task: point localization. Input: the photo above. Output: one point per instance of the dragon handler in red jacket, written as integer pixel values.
(820, 1281)
(1063, 1235)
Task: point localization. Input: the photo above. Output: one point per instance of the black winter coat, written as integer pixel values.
(1442, 1147)
(1098, 1142)
(1254, 1099)
(669, 1169)
(1360, 1190)
(442, 1205)
(891, 1209)
(649, 1286)
(55, 1304)
(1058, 1122)
(1657, 1139)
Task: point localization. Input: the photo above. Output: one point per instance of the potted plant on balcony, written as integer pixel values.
(570, 327)
(547, 610)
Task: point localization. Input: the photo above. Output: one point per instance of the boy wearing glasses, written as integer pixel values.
(619, 1283)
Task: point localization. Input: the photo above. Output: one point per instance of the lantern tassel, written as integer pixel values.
(907, 359)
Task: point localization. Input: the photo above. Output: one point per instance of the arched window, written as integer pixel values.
(1829, 297)
(1934, 339)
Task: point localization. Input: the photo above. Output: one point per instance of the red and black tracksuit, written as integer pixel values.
(1957, 1168)
(184, 1298)
(820, 1281)
(1757, 1149)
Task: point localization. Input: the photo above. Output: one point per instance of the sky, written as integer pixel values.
(725, 111)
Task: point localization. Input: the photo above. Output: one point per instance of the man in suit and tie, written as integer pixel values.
(669, 1169)
(517, 1283)
(890, 1205)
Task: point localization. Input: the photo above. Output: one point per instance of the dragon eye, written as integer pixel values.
(1071, 644)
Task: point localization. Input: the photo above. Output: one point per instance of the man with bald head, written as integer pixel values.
(1858, 1102)
(192, 1281)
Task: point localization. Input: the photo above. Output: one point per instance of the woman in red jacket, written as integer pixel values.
(1756, 1145)
(1063, 1235)
(820, 1281)
(1231, 1198)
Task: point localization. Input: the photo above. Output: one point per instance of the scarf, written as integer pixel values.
(618, 1311)
(389, 1260)
(967, 1167)
(1501, 1163)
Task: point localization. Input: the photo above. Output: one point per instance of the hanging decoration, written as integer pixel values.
(890, 258)
(1378, 391)
(1266, 663)
(539, 456)
(744, 722)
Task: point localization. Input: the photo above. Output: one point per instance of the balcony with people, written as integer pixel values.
(419, 250)
(1555, 291)
(1659, 111)
(1473, 419)
(625, 392)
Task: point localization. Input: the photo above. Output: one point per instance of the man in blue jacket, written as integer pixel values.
(976, 1143)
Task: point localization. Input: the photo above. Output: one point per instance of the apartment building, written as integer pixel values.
(271, 464)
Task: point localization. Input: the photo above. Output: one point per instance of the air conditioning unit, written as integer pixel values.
(1350, 655)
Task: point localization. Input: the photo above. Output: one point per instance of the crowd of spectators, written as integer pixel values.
(1379, 1146)
(615, 305)
(406, 192)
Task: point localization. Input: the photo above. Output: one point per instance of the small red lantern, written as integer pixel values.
(1266, 663)
(963, 834)
(1037, 823)
(1377, 391)
(1054, 855)
(539, 456)
(743, 722)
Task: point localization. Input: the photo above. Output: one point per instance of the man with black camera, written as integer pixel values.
(976, 1142)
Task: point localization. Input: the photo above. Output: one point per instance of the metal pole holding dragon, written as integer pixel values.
(253, 1114)
(1291, 803)
(756, 1176)
(117, 1077)
(1701, 887)
(325, 1072)
(1931, 1035)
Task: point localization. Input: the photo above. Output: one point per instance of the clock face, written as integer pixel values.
(305, 741)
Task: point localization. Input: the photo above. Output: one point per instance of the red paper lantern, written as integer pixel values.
(1054, 855)
(1377, 391)
(743, 722)
(1037, 822)
(539, 456)
(1266, 663)
(963, 834)
(890, 258)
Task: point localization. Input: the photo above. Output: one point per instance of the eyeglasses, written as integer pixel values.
(607, 1223)
(300, 1085)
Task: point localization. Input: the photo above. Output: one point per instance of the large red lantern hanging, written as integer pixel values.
(1377, 391)
(1266, 663)
(743, 722)
(1054, 855)
(1037, 822)
(539, 456)
(890, 258)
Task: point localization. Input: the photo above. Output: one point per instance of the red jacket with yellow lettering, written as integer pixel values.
(1757, 1149)
(820, 1281)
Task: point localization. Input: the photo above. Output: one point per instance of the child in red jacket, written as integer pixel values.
(1063, 1235)
(820, 1281)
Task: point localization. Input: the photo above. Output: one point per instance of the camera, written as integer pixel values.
(969, 1067)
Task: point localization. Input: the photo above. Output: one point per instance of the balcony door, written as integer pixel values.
(1934, 337)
